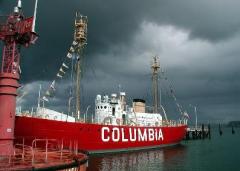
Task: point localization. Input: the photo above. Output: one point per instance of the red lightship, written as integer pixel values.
(116, 126)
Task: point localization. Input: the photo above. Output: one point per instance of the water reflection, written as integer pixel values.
(161, 159)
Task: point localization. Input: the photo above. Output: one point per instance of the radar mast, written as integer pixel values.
(80, 36)
(155, 92)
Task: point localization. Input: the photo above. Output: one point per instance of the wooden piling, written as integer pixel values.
(220, 130)
(233, 131)
(209, 131)
(198, 133)
(203, 132)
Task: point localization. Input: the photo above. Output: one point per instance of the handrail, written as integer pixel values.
(34, 146)
(43, 153)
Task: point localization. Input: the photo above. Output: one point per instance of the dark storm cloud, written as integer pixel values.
(115, 22)
(197, 41)
(212, 20)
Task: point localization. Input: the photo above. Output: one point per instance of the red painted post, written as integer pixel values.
(8, 93)
(17, 31)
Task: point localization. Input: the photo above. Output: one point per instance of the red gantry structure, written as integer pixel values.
(17, 31)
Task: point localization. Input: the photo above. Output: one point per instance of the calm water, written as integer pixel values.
(221, 153)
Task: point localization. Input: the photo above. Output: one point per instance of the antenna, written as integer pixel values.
(17, 8)
(34, 15)
(39, 95)
(19, 4)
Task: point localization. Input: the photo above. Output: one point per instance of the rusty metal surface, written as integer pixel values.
(53, 157)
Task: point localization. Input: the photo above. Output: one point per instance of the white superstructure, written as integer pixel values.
(113, 110)
(46, 113)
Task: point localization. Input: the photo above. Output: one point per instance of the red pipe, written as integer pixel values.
(8, 93)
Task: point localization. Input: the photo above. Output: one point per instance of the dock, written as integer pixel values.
(195, 133)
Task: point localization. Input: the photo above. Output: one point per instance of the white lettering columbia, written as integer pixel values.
(135, 134)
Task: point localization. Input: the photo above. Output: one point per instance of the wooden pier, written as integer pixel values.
(195, 133)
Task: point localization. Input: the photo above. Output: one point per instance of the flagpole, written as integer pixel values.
(34, 16)
(39, 95)
(195, 110)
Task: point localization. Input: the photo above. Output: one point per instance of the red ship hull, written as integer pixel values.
(97, 138)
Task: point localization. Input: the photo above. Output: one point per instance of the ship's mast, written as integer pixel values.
(80, 36)
(15, 32)
(155, 67)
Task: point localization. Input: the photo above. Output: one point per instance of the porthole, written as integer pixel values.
(105, 107)
(101, 107)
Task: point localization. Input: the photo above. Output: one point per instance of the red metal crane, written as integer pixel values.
(15, 32)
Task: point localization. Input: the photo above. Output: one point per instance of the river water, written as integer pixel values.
(220, 153)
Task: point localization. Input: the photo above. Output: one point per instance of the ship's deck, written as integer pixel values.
(53, 157)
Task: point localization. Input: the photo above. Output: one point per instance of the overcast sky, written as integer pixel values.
(197, 43)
